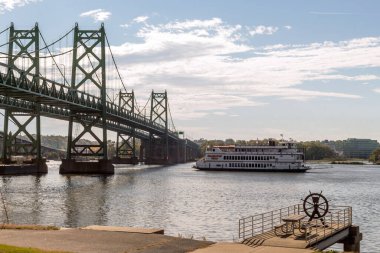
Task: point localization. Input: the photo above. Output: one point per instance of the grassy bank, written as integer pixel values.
(13, 249)
(27, 227)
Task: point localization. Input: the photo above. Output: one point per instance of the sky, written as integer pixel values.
(237, 69)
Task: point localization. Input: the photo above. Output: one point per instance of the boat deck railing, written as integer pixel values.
(337, 219)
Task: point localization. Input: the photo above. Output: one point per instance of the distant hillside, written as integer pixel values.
(57, 141)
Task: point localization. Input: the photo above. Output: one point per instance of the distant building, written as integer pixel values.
(359, 148)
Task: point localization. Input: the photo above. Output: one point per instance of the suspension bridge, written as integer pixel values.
(76, 79)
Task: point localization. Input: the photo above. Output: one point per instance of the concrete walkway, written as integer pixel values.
(95, 241)
(100, 239)
(241, 248)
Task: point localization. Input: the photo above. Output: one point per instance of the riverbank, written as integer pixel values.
(343, 162)
(99, 239)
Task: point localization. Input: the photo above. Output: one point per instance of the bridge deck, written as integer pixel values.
(14, 84)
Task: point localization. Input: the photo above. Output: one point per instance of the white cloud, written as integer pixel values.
(140, 19)
(98, 15)
(263, 30)
(377, 90)
(200, 63)
(288, 27)
(209, 67)
(9, 5)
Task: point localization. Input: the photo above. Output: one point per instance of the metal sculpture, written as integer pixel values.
(316, 206)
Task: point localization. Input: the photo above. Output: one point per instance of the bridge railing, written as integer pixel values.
(50, 89)
(19, 79)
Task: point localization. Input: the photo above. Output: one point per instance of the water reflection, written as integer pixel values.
(86, 201)
(182, 200)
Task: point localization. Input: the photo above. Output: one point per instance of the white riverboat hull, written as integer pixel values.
(300, 170)
(284, 157)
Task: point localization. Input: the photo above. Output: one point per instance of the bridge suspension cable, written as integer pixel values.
(119, 75)
(171, 118)
(114, 62)
(64, 78)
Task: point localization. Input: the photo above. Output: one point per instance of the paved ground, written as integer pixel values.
(241, 248)
(84, 240)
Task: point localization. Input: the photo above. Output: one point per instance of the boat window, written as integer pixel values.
(213, 150)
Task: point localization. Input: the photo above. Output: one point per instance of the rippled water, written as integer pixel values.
(186, 201)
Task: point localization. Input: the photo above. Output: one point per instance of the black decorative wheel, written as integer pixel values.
(316, 206)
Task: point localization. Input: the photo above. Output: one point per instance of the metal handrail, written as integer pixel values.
(337, 219)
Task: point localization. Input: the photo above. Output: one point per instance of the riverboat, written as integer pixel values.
(275, 157)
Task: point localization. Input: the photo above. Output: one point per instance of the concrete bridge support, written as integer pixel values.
(352, 242)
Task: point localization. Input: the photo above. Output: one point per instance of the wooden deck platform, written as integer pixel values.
(298, 240)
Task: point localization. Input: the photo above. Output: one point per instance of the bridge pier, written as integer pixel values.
(28, 167)
(130, 160)
(101, 166)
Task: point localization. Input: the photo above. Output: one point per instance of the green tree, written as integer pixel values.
(229, 142)
(315, 150)
(210, 143)
(375, 156)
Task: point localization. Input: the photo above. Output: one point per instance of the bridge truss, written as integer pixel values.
(84, 100)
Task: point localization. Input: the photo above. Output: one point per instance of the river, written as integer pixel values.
(188, 202)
